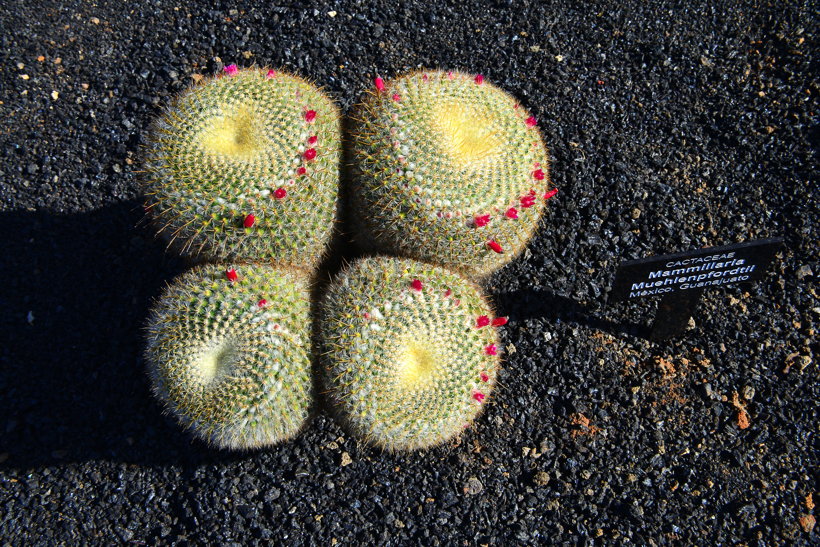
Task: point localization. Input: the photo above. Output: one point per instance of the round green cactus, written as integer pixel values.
(448, 169)
(228, 353)
(246, 165)
(411, 351)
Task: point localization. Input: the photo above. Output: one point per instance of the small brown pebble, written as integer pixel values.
(743, 419)
(346, 459)
(807, 523)
(541, 478)
(473, 486)
(809, 502)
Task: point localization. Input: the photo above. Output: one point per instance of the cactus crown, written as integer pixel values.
(245, 165)
(410, 355)
(228, 353)
(449, 169)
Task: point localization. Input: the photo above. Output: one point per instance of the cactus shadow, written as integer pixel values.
(525, 304)
(75, 295)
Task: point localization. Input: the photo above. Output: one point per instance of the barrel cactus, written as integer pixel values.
(246, 165)
(228, 353)
(410, 349)
(448, 169)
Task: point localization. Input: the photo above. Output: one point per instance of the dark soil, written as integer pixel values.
(671, 128)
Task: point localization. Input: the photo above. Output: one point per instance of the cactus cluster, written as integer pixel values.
(449, 172)
(448, 169)
(228, 353)
(246, 165)
(411, 352)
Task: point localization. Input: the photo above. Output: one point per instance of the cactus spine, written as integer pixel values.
(448, 169)
(411, 355)
(246, 165)
(229, 353)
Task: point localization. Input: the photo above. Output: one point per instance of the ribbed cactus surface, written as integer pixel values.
(448, 169)
(246, 165)
(228, 353)
(410, 349)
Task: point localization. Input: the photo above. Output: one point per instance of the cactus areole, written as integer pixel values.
(406, 354)
(246, 165)
(439, 171)
(228, 353)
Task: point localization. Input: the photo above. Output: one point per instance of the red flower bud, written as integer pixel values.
(538, 174)
(491, 350)
(280, 193)
(310, 115)
(396, 97)
(416, 285)
(379, 83)
(231, 275)
(301, 171)
(499, 321)
(482, 220)
(493, 244)
(527, 201)
(482, 321)
(262, 303)
(310, 153)
(249, 220)
(531, 121)
(551, 193)
(478, 396)
(312, 139)
(512, 212)
(479, 79)
(484, 377)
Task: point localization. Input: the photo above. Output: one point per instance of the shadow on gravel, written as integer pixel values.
(76, 290)
(530, 303)
(75, 293)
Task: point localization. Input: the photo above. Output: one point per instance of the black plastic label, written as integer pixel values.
(700, 269)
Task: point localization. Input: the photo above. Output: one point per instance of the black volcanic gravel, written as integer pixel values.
(671, 128)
